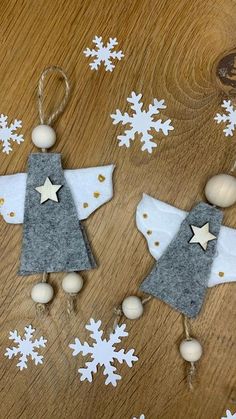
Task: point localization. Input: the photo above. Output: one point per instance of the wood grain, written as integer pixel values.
(170, 49)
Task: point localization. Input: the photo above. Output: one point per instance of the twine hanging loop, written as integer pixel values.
(60, 108)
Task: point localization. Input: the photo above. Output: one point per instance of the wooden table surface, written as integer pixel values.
(170, 49)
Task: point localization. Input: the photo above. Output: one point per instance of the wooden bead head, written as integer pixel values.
(220, 190)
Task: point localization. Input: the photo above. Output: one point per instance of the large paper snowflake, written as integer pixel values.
(103, 353)
(141, 122)
(103, 53)
(229, 118)
(7, 133)
(26, 347)
(229, 415)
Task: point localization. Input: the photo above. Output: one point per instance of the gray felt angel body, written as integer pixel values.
(51, 204)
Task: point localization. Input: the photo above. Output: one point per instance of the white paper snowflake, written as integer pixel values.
(7, 133)
(26, 347)
(140, 417)
(103, 53)
(103, 353)
(229, 415)
(141, 122)
(229, 118)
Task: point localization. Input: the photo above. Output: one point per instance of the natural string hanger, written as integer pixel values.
(49, 120)
(60, 108)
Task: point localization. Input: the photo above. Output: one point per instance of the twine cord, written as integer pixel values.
(186, 328)
(60, 108)
(146, 300)
(45, 277)
(191, 375)
(192, 368)
(233, 167)
(71, 304)
(118, 314)
(40, 307)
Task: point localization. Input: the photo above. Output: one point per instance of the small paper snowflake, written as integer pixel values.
(229, 415)
(103, 53)
(7, 133)
(229, 118)
(103, 353)
(140, 417)
(141, 122)
(26, 347)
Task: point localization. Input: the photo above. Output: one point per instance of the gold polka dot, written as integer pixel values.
(145, 215)
(101, 178)
(96, 194)
(85, 205)
(221, 274)
(12, 214)
(149, 232)
(2, 201)
(157, 243)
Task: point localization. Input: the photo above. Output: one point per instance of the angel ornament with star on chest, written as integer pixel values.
(50, 203)
(192, 251)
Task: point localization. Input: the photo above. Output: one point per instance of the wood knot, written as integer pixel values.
(225, 71)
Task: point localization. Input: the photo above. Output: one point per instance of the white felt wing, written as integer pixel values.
(12, 197)
(90, 188)
(159, 223)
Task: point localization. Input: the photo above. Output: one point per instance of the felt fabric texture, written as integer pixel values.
(181, 275)
(90, 188)
(159, 222)
(53, 240)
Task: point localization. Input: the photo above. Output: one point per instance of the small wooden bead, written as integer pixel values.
(191, 350)
(132, 307)
(42, 293)
(43, 136)
(72, 283)
(220, 190)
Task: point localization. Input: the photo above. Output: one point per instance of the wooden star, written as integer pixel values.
(48, 191)
(202, 235)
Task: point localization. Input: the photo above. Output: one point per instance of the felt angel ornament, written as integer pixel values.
(51, 203)
(192, 251)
